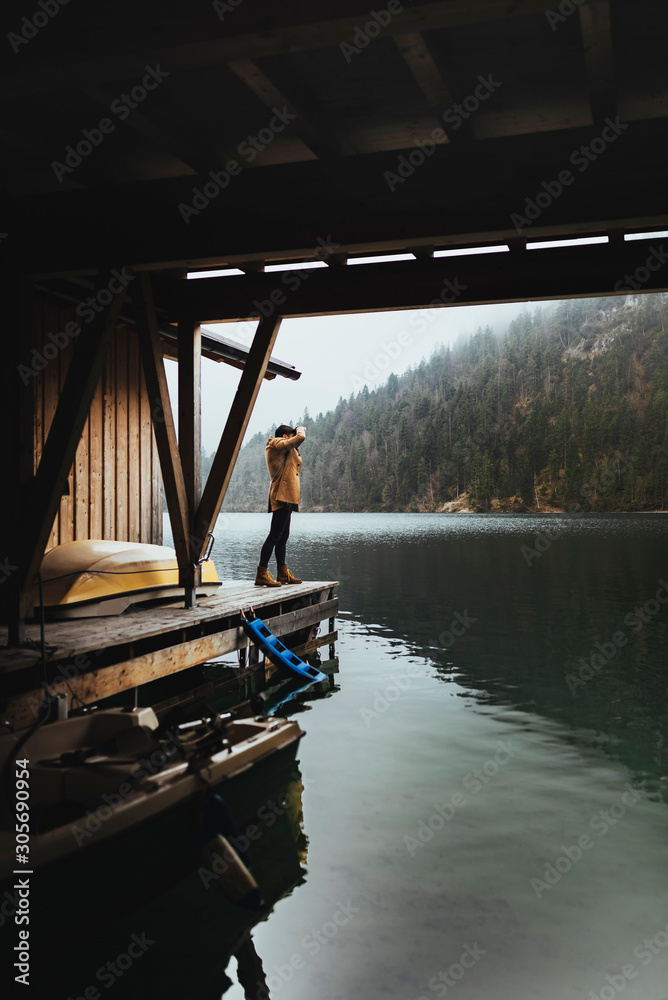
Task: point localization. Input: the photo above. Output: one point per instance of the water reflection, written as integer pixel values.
(548, 614)
(191, 943)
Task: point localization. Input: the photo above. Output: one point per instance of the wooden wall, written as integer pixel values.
(115, 481)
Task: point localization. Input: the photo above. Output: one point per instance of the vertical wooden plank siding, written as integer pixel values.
(133, 462)
(95, 452)
(50, 377)
(67, 503)
(121, 436)
(115, 481)
(145, 451)
(109, 456)
(81, 477)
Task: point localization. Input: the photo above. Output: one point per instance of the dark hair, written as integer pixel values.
(284, 429)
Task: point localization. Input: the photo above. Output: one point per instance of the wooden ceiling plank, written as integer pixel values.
(596, 34)
(183, 143)
(322, 142)
(61, 73)
(437, 92)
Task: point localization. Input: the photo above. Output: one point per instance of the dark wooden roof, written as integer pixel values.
(318, 104)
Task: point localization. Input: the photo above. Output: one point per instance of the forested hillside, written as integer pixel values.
(568, 408)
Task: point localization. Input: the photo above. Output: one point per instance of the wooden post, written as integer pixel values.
(190, 444)
(235, 428)
(163, 420)
(43, 496)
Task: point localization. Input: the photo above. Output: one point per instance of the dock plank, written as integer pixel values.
(178, 648)
(83, 635)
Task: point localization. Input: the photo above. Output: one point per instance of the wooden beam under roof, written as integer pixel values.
(584, 271)
(320, 140)
(279, 36)
(189, 147)
(460, 189)
(438, 94)
(597, 42)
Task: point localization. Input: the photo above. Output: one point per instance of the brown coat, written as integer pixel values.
(283, 462)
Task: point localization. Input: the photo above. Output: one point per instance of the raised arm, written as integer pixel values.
(292, 442)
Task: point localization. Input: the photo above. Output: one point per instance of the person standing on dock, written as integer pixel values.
(283, 462)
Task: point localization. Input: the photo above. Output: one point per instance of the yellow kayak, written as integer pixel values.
(102, 577)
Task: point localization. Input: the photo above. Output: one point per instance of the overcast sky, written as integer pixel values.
(337, 355)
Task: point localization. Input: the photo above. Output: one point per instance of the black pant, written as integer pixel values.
(278, 536)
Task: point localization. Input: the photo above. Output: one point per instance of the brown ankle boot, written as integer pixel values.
(263, 578)
(285, 576)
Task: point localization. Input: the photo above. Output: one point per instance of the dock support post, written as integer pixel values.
(190, 445)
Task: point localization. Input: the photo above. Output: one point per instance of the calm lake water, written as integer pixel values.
(484, 792)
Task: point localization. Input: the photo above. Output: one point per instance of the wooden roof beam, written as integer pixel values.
(597, 41)
(321, 141)
(279, 36)
(183, 143)
(437, 92)
(585, 271)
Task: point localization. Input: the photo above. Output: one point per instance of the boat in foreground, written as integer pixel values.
(117, 805)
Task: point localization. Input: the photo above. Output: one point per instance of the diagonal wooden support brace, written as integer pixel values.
(235, 428)
(83, 375)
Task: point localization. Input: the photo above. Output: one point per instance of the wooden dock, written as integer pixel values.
(91, 659)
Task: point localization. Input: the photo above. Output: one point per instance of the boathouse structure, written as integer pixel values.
(477, 151)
